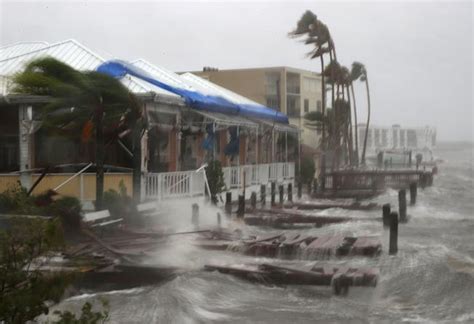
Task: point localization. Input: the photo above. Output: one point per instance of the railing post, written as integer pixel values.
(300, 189)
(241, 209)
(290, 192)
(413, 193)
(272, 188)
(281, 188)
(393, 240)
(263, 189)
(228, 202)
(402, 205)
(253, 200)
(386, 215)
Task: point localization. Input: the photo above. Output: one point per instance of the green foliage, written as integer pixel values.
(215, 178)
(307, 169)
(24, 289)
(87, 316)
(119, 203)
(15, 201)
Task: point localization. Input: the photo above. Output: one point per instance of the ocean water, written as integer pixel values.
(430, 280)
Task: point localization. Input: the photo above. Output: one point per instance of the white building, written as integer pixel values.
(397, 138)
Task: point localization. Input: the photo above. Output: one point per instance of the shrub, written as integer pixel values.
(215, 179)
(307, 169)
(119, 203)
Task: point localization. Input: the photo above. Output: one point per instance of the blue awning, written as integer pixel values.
(194, 99)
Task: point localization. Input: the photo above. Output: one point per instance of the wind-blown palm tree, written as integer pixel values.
(317, 34)
(355, 75)
(360, 71)
(85, 103)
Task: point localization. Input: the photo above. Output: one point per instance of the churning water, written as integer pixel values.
(430, 280)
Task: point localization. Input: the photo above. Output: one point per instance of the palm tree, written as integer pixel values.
(360, 71)
(355, 75)
(85, 102)
(344, 79)
(317, 34)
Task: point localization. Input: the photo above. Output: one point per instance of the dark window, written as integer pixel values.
(306, 105)
(272, 102)
(293, 108)
(319, 106)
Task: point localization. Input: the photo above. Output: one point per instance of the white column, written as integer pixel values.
(25, 118)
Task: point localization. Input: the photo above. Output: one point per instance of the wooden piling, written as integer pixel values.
(402, 205)
(281, 190)
(290, 192)
(393, 240)
(272, 192)
(315, 186)
(300, 189)
(263, 189)
(195, 215)
(218, 219)
(241, 209)
(386, 215)
(228, 202)
(253, 200)
(413, 193)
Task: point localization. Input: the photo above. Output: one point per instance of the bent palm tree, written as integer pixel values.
(85, 102)
(355, 75)
(317, 34)
(360, 70)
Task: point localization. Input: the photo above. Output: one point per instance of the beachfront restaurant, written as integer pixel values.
(191, 121)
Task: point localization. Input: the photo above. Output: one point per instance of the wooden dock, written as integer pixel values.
(339, 277)
(297, 246)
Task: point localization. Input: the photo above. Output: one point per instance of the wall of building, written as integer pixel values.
(248, 83)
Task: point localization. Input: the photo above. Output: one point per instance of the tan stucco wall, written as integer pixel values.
(72, 188)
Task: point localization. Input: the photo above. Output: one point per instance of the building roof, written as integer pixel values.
(17, 49)
(14, 58)
(267, 68)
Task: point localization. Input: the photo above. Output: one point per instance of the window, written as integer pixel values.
(273, 102)
(272, 82)
(293, 108)
(309, 84)
(293, 83)
(319, 106)
(306, 105)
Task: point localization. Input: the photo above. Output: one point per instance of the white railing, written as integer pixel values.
(258, 174)
(170, 185)
(174, 184)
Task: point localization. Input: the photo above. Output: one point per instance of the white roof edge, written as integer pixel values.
(21, 43)
(57, 44)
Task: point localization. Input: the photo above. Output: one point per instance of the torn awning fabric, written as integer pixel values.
(194, 99)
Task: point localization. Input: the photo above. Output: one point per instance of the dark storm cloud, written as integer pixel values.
(418, 55)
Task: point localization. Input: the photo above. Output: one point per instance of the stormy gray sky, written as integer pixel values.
(418, 54)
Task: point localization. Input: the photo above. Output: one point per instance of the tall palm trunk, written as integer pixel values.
(368, 119)
(356, 131)
(351, 142)
(333, 144)
(323, 112)
(99, 156)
